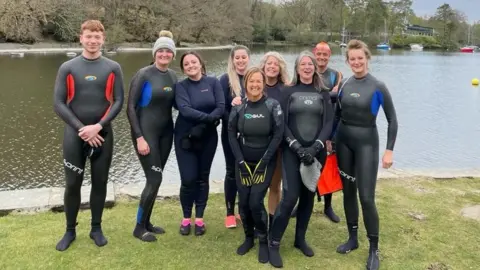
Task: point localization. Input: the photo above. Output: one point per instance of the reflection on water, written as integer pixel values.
(437, 108)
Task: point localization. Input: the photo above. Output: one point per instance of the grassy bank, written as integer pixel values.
(443, 240)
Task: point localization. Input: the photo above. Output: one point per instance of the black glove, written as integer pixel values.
(245, 173)
(307, 159)
(298, 149)
(198, 131)
(314, 149)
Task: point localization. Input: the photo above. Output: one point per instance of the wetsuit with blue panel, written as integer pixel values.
(150, 102)
(357, 146)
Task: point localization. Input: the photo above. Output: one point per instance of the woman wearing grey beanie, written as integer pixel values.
(151, 95)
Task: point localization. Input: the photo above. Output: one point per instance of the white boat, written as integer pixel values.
(71, 54)
(416, 47)
(17, 54)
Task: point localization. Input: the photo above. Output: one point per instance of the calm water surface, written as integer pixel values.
(438, 112)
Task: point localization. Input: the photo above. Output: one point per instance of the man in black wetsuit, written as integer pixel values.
(308, 123)
(359, 100)
(255, 129)
(88, 95)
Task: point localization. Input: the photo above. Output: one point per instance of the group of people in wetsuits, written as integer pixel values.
(270, 126)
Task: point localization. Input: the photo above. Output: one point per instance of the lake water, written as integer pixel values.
(438, 112)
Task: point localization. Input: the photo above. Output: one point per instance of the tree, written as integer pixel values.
(298, 11)
(449, 22)
(399, 13)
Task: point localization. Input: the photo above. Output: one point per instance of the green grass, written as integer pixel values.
(444, 240)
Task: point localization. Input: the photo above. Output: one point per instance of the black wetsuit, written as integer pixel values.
(330, 78)
(357, 147)
(201, 105)
(87, 92)
(149, 111)
(308, 118)
(255, 129)
(274, 91)
(230, 187)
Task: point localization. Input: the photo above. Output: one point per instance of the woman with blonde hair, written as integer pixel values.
(232, 84)
(274, 67)
(357, 144)
(255, 130)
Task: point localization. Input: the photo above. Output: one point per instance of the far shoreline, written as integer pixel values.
(19, 49)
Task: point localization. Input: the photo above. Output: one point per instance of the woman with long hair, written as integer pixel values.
(274, 67)
(308, 115)
(234, 91)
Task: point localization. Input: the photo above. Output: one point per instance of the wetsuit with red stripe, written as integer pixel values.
(87, 92)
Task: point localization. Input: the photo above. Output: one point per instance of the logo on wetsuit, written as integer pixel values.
(72, 167)
(253, 116)
(349, 177)
(355, 95)
(308, 100)
(156, 169)
(167, 89)
(90, 78)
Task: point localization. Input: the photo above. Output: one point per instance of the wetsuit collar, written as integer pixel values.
(258, 101)
(90, 59)
(160, 69)
(325, 70)
(305, 84)
(362, 78)
(273, 85)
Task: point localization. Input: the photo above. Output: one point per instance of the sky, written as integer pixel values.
(471, 8)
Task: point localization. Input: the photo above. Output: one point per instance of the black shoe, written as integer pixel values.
(331, 215)
(143, 234)
(185, 230)
(245, 246)
(373, 262)
(66, 240)
(304, 248)
(274, 254)
(348, 246)
(97, 236)
(200, 230)
(263, 248)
